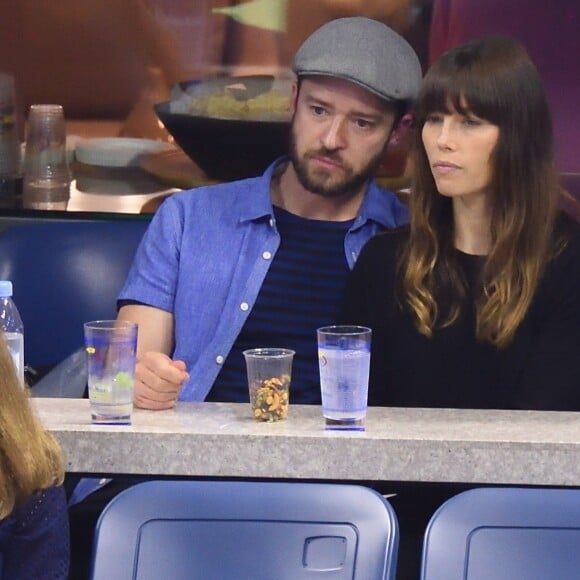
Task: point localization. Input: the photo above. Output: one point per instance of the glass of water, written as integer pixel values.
(111, 347)
(344, 355)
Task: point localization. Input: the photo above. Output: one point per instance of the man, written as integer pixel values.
(262, 262)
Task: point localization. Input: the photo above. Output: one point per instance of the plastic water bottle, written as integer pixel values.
(11, 324)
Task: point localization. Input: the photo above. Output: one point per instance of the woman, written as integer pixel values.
(476, 303)
(34, 533)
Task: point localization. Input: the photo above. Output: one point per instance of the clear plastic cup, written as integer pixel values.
(47, 178)
(344, 354)
(111, 347)
(269, 378)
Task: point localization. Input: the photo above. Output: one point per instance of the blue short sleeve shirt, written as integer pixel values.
(204, 258)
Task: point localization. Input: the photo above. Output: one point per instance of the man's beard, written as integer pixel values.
(318, 181)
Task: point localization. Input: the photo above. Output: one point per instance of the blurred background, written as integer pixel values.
(109, 61)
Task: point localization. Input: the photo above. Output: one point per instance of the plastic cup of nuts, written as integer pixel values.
(269, 376)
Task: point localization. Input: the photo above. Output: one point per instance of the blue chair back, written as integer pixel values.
(246, 530)
(65, 272)
(505, 534)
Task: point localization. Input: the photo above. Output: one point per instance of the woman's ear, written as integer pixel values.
(402, 129)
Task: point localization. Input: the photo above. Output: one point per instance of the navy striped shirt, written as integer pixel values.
(302, 291)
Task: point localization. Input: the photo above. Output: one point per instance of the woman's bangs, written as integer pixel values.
(462, 91)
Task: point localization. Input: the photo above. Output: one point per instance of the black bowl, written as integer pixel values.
(226, 148)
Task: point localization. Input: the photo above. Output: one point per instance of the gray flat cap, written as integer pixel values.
(365, 52)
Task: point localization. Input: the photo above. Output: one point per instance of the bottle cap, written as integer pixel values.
(5, 288)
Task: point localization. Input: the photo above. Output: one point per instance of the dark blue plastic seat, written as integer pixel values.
(65, 272)
(206, 530)
(505, 534)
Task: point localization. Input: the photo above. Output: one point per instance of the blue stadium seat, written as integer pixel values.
(65, 272)
(505, 534)
(206, 530)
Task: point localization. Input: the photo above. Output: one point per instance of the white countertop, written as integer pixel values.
(423, 445)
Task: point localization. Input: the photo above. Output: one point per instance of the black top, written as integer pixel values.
(540, 369)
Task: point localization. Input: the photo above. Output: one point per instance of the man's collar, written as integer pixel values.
(256, 201)
(379, 205)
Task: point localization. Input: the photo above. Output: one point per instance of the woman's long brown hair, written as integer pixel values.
(30, 458)
(495, 79)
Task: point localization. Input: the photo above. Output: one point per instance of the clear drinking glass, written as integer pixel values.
(344, 355)
(111, 347)
(46, 173)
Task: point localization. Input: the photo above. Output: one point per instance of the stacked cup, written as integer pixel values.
(10, 170)
(46, 173)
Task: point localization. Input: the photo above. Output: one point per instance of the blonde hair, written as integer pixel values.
(30, 457)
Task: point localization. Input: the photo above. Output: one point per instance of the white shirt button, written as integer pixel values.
(244, 306)
(266, 255)
(219, 359)
(272, 222)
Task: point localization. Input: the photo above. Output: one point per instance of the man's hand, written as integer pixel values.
(158, 381)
